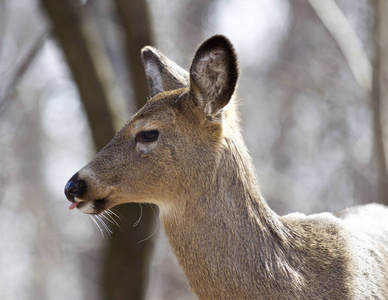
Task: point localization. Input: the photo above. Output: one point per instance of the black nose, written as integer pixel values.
(74, 188)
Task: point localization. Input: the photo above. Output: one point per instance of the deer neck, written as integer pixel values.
(220, 234)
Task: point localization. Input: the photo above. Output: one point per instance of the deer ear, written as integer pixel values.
(162, 73)
(213, 74)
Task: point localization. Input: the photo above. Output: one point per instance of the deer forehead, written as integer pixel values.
(159, 112)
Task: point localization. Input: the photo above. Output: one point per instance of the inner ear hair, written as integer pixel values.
(214, 74)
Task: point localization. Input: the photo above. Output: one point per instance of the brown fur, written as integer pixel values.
(228, 241)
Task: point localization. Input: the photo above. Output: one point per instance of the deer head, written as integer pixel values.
(169, 150)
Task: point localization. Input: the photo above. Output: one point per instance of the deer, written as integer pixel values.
(184, 152)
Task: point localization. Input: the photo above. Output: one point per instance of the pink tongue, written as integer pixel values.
(73, 205)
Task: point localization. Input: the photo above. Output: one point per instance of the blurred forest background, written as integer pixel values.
(313, 92)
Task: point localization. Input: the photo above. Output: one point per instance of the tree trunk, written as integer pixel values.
(134, 20)
(67, 25)
(127, 261)
(380, 96)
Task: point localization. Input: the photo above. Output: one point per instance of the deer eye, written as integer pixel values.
(147, 136)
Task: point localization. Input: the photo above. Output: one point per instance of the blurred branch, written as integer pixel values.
(21, 69)
(380, 95)
(84, 65)
(346, 39)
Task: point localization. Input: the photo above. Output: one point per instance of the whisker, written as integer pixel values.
(111, 212)
(156, 229)
(97, 225)
(141, 215)
(99, 218)
(153, 210)
(109, 218)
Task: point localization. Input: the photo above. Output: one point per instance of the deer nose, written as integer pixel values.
(74, 188)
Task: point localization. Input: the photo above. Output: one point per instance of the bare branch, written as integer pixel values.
(346, 39)
(22, 68)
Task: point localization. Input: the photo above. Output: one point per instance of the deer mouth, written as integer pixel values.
(92, 207)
